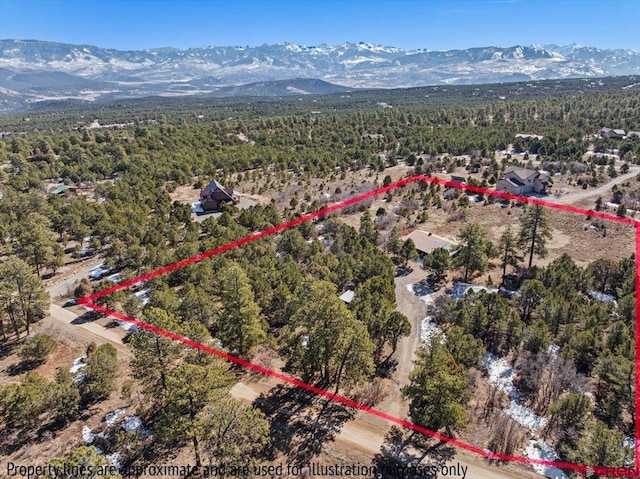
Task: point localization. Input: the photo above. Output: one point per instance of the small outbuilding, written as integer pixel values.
(63, 190)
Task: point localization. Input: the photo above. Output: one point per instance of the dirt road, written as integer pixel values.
(599, 191)
(415, 310)
(66, 282)
(90, 330)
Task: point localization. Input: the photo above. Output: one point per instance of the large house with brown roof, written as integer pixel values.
(522, 181)
(215, 195)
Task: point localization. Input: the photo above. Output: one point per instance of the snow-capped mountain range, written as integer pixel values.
(32, 71)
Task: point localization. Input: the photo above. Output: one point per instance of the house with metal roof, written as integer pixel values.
(427, 243)
(63, 190)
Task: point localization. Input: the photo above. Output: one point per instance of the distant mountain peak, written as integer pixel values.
(94, 73)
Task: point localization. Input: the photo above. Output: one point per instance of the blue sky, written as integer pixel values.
(430, 24)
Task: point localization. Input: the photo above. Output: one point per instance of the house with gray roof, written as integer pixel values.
(522, 181)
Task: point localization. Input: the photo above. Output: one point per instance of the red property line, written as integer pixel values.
(584, 469)
(637, 370)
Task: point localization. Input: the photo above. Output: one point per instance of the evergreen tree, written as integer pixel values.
(240, 325)
(408, 251)
(437, 389)
(21, 405)
(393, 242)
(532, 293)
(190, 389)
(324, 340)
(234, 433)
(83, 458)
(34, 241)
(100, 373)
(465, 349)
(36, 350)
(23, 299)
(367, 228)
(398, 326)
(508, 251)
(438, 262)
(472, 254)
(534, 232)
(65, 396)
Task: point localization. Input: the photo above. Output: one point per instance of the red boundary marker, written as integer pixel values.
(584, 469)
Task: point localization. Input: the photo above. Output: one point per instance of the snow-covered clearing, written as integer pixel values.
(132, 424)
(501, 375)
(539, 449)
(430, 330)
(112, 418)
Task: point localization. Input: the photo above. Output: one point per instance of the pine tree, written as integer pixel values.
(534, 232)
(325, 341)
(36, 350)
(393, 242)
(438, 262)
(437, 389)
(153, 353)
(234, 432)
(367, 228)
(398, 326)
(508, 252)
(240, 325)
(23, 299)
(100, 373)
(190, 389)
(83, 458)
(472, 255)
(408, 251)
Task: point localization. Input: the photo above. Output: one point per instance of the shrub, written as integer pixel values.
(37, 349)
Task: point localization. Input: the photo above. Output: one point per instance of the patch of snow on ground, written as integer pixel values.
(429, 330)
(525, 416)
(127, 326)
(540, 449)
(114, 459)
(112, 417)
(87, 435)
(605, 298)
(500, 373)
(132, 424)
(78, 364)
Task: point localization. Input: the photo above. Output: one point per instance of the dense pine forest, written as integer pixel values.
(276, 300)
